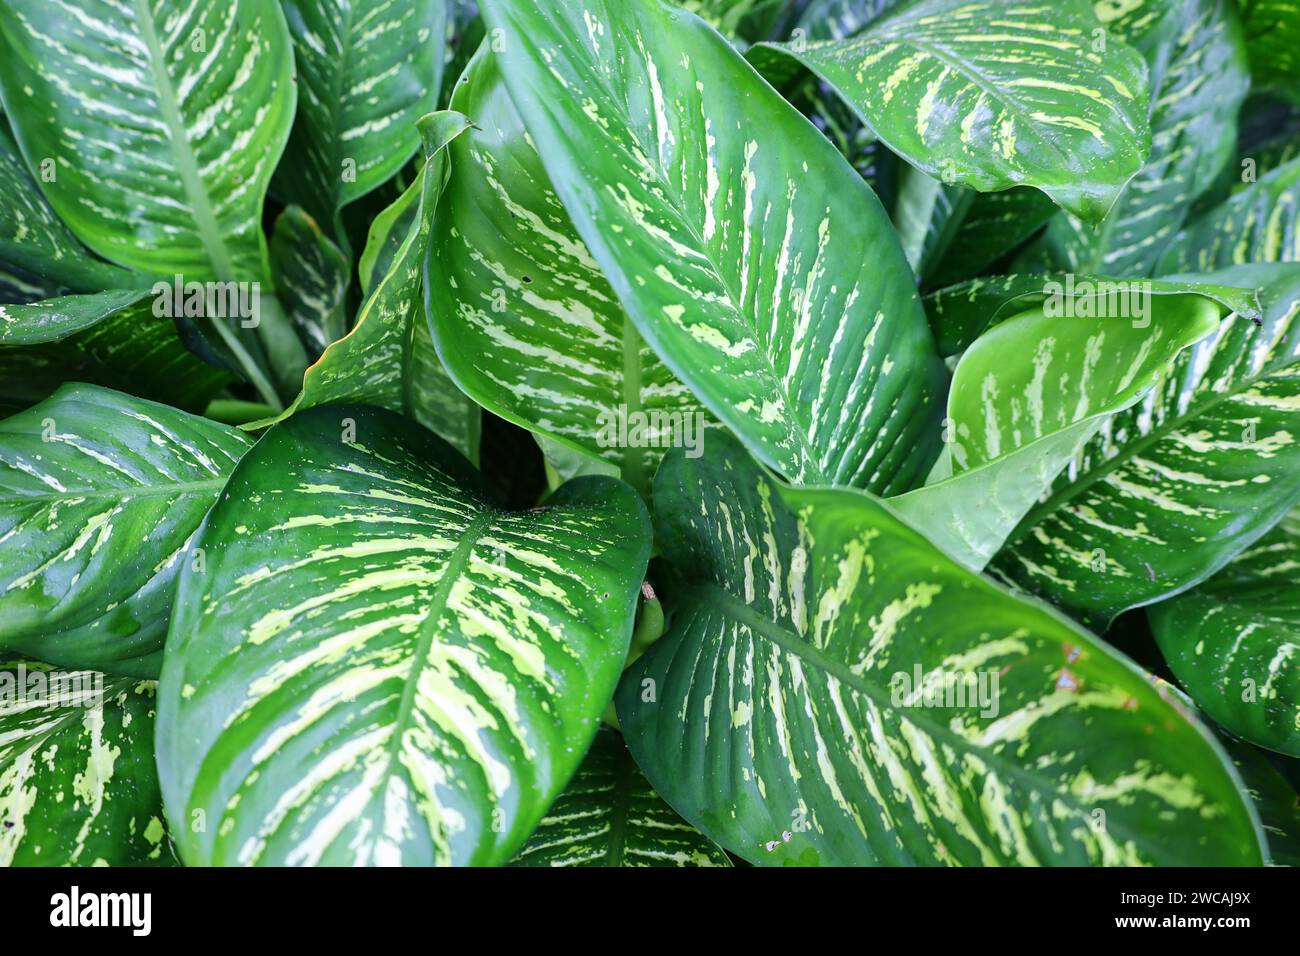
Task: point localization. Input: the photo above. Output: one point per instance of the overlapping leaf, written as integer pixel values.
(100, 494)
(163, 122)
(34, 239)
(1198, 81)
(522, 316)
(745, 249)
(367, 70)
(1234, 642)
(1027, 396)
(610, 816)
(1170, 490)
(377, 665)
(1273, 38)
(795, 691)
(112, 339)
(78, 786)
(311, 275)
(1259, 224)
(995, 93)
(388, 358)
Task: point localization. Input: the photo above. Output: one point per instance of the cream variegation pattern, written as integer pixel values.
(388, 357)
(1170, 490)
(367, 70)
(992, 94)
(100, 494)
(610, 816)
(795, 692)
(163, 120)
(378, 665)
(748, 253)
(522, 316)
(78, 786)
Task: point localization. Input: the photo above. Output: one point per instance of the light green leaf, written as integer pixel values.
(995, 93)
(78, 785)
(1173, 488)
(163, 120)
(379, 666)
(388, 358)
(1029, 394)
(795, 690)
(34, 239)
(747, 252)
(367, 71)
(610, 816)
(100, 494)
(1234, 642)
(1199, 79)
(311, 275)
(522, 316)
(960, 314)
(1259, 224)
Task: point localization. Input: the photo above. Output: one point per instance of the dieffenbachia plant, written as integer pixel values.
(637, 433)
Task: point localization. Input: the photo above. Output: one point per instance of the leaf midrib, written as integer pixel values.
(145, 491)
(187, 165)
(721, 598)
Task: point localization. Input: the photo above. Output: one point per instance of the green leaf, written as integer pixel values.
(1199, 79)
(367, 70)
(784, 697)
(992, 94)
(1234, 642)
(994, 225)
(522, 316)
(163, 120)
(834, 19)
(1029, 394)
(610, 816)
(961, 313)
(311, 276)
(78, 785)
(747, 19)
(34, 239)
(112, 338)
(1173, 488)
(100, 494)
(1259, 224)
(1272, 30)
(388, 358)
(747, 252)
(378, 666)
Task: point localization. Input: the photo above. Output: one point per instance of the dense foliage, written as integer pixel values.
(617, 432)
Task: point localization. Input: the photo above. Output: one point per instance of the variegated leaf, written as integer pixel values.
(1199, 79)
(1273, 39)
(809, 679)
(35, 240)
(100, 494)
(747, 252)
(163, 122)
(367, 71)
(388, 358)
(1027, 396)
(995, 93)
(1170, 490)
(960, 314)
(311, 276)
(836, 19)
(1259, 224)
(522, 316)
(113, 339)
(78, 786)
(994, 225)
(749, 20)
(1234, 642)
(610, 816)
(379, 666)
